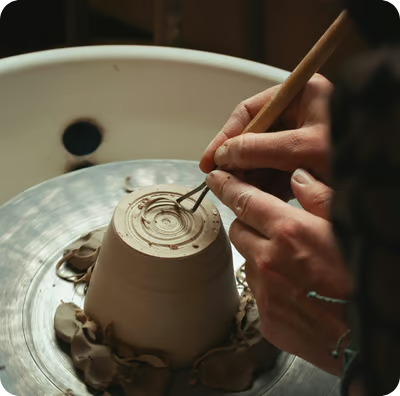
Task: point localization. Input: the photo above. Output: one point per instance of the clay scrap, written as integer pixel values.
(105, 361)
(101, 367)
(233, 367)
(81, 257)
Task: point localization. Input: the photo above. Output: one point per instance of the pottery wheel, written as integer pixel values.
(36, 226)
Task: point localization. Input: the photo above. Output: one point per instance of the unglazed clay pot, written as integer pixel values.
(164, 277)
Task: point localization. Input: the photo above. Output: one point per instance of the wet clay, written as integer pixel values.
(169, 271)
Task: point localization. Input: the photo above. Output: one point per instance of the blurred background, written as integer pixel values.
(276, 32)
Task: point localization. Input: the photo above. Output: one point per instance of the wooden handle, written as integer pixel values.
(298, 79)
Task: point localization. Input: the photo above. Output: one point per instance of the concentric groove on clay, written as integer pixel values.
(157, 220)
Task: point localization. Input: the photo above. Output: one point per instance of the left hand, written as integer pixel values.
(290, 252)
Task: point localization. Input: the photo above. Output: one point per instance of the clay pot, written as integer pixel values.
(164, 277)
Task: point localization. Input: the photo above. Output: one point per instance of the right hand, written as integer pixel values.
(290, 252)
(302, 142)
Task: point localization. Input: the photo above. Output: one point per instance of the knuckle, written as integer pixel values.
(321, 200)
(243, 202)
(295, 142)
(320, 81)
(310, 145)
(239, 151)
(241, 114)
(319, 85)
(287, 230)
(240, 108)
(263, 264)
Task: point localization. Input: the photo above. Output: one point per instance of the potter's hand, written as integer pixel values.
(303, 144)
(290, 252)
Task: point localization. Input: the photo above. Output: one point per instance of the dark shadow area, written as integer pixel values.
(29, 26)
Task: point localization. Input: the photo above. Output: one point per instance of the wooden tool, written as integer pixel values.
(297, 80)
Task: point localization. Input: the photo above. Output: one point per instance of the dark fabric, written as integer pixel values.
(365, 137)
(377, 21)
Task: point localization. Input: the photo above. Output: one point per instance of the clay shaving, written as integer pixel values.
(81, 258)
(127, 185)
(105, 361)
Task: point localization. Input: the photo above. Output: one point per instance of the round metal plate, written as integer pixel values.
(36, 226)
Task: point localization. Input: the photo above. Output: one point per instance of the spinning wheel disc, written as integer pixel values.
(36, 226)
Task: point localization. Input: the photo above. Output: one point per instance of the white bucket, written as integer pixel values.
(150, 103)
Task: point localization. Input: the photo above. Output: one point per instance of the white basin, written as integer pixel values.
(150, 102)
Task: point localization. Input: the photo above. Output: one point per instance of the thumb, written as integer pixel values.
(313, 196)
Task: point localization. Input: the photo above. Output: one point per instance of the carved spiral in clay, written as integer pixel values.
(158, 221)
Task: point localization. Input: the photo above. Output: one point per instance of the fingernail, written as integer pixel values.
(300, 176)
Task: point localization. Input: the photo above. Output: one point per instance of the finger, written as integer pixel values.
(249, 243)
(313, 99)
(311, 105)
(253, 207)
(313, 196)
(240, 118)
(284, 151)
